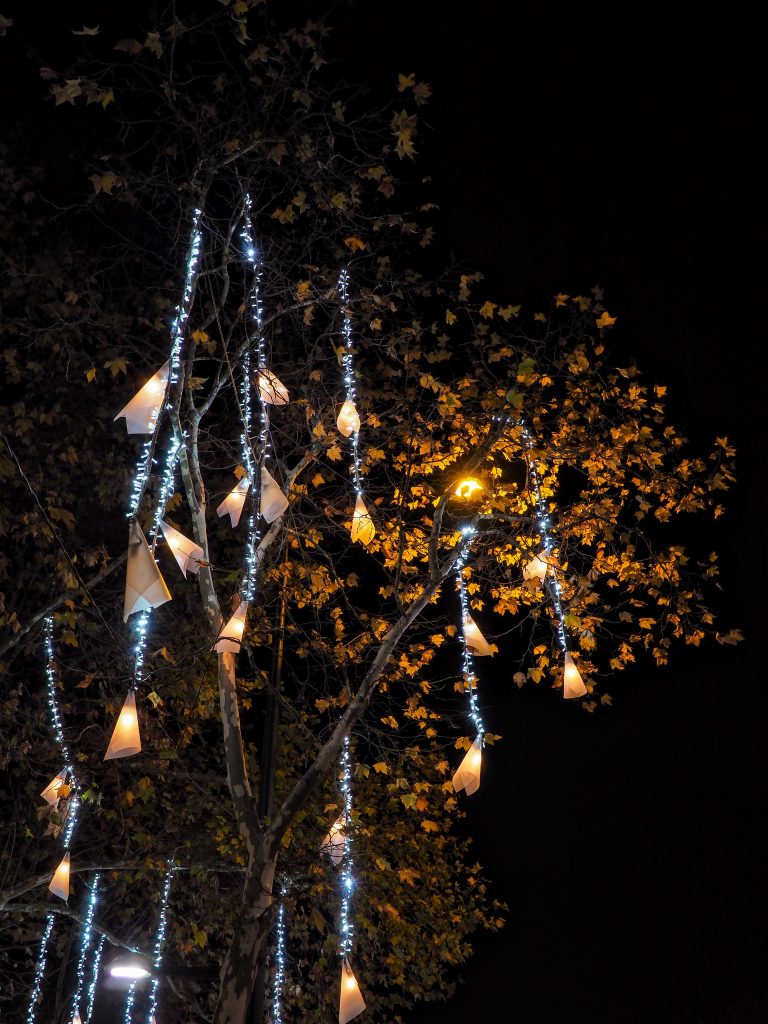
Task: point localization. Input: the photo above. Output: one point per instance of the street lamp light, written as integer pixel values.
(130, 966)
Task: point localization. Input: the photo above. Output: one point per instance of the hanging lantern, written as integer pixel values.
(273, 501)
(272, 389)
(144, 585)
(59, 885)
(468, 487)
(348, 420)
(333, 844)
(125, 740)
(51, 794)
(184, 550)
(474, 639)
(234, 501)
(467, 775)
(143, 409)
(362, 524)
(539, 566)
(77, 1019)
(573, 684)
(351, 1002)
(231, 636)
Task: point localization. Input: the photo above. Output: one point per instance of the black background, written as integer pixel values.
(620, 150)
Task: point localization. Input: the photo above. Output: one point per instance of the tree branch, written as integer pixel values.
(63, 911)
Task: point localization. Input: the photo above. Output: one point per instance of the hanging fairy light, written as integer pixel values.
(85, 945)
(348, 422)
(351, 1001)
(94, 978)
(277, 992)
(473, 643)
(37, 984)
(162, 927)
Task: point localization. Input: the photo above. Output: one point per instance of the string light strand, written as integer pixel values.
(162, 927)
(85, 945)
(347, 877)
(277, 993)
(94, 978)
(470, 679)
(39, 970)
(349, 376)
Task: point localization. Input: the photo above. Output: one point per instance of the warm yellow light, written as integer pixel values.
(333, 844)
(539, 566)
(468, 487)
(362, 524)
(273, 501)
(234, 501)
(143, 409)
(125, 740)
(231, 636)
(59, 885)
(51, 792)
(351, 1002)
(573, 684)
(272, 389)
(348, 420)
(467, 775)
(185, 551)
(475, 640)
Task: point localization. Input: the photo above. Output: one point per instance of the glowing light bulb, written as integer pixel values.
(468, 487)
(125, 740)
(59, 884)
(573, 684)
(467, 775)
(348, 420)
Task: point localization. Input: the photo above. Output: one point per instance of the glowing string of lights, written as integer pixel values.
(162, 927)
(347, 877)
(470, 679)
(85, 944)
(277, 992)
(39, 970)
(94, 978)
(349, 378)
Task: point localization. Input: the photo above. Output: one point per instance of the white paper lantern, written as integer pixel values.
(362, 524)
(231, 636)
(348, 420)
(539, 566)
(573, 684)
(351, 1002)
(143, 409)
(273, 501)
(272, 389)
(234, 501)
(51, 792)
(475, 640)
(125, 740)
(144, 585)
(184, 550)
(59, 884)
(333, 844)
(467, 775)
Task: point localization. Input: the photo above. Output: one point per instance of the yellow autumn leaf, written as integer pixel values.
(381, 768)
(430, 826)
(354, 243)
(486, 310)
(334, 453)
(606, 320)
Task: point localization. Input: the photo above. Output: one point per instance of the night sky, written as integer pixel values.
(564, 154)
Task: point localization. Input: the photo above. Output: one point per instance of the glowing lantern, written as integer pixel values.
(273, 501)
(467, 775)
(475, 640)
(234, 501)
(539, 566)
(184, 550)
(573, 684)
(143, 409)
(231, 636)
(348, 420)
(351, 1002)
(77, 1018)
(333, 844)
(362, 524)
(144, 585)
(125, 740)
(60, 882)
(271, 389)
(51, 794)
(468, 488)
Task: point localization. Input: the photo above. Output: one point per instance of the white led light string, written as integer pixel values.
(39, 970)
(349, 377)
(157, 959)
(85, 944)
(470, 679)
(279, 981)
(347, 880)
(94, 978)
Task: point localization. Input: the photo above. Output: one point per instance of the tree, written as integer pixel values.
(223, 113)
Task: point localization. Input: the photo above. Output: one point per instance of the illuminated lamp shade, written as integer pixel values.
(272, 389)
(468, 487)
(475, 640)
(573, 684)
(333, 844)
(232, 505)
(77, 1019)
(273, 501)
(143, 409)
(348, 420)
(51, 794)
(539, 566)
(362, 524)
(351, 1002)
(144, 585)
(184, 550)
(130, 967)
(231, 636)
(125, 740)
(467, 775)
(60, 882)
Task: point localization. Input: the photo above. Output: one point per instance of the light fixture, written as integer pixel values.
(144, 585)
(184, 550)
(362, 524)
(351, 1002)
(271, 388)
(52, 792)
(539, 566)
(475, 640)
(59, 884)
(231, 636)
(130, 967)
(468, 487)
(273, 501)
(143, 409)
(348, 420)
(573, 684)
(333, 844)
(125, 740)
(467, 775)
(234, 501)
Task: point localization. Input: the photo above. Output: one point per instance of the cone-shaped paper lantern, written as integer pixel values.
(143, 409)
(51, 792)
(573, 684)
(144, 585)
(468, 487)
(333, 844)
(272, 389)
(78, 1020)
(351, 1001)
(467, 775)
(60, 882)
(539, 566)
(362, 524)
(231, 636)
(234, 501)
(125, 740)
(476, 642)
(348, 420)
(273, 501)
(184, 550)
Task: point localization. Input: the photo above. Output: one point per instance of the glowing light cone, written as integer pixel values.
(125, 740)
(351, 1002)
(78, 1020)
(272, 389)
(539, 566)
(467, 775)
(362, 524)
(468, 488)
(51, 792)
(273, 501)
(573, 684)
(59, 885)
(475, 640)
(232, 505)
(144, 585)
(143, 409)
(333, 844)
(348, 420)
(231, 636)
(184, 550)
